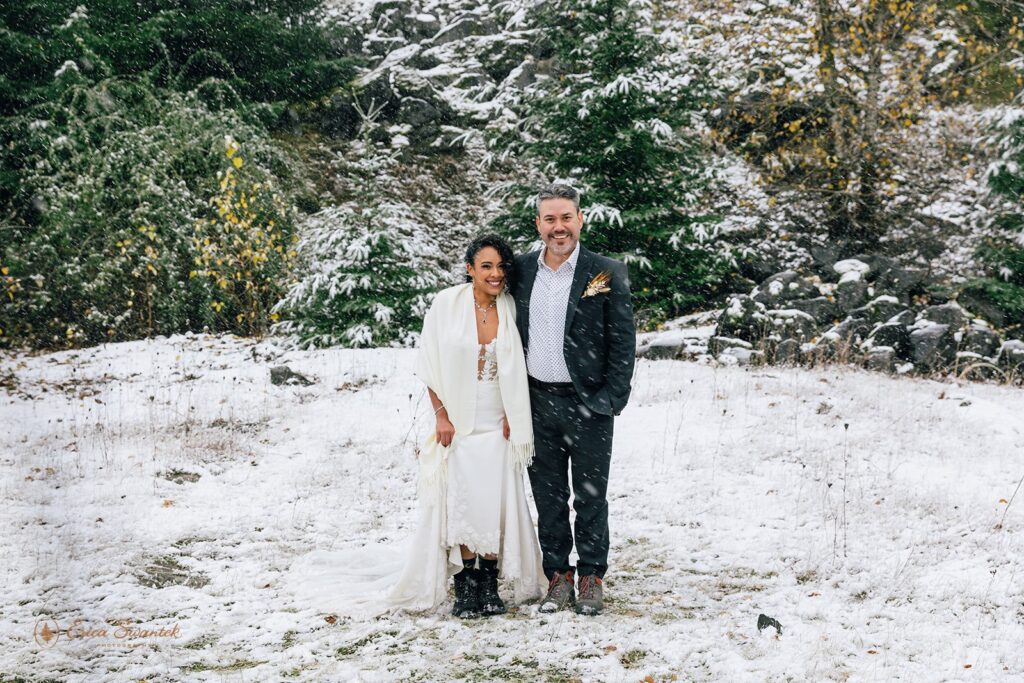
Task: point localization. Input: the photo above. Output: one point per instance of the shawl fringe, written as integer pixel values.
(521, 455)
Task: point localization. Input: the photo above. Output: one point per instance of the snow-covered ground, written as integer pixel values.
(168, 483)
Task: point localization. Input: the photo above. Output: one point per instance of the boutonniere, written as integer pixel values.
(599, 285)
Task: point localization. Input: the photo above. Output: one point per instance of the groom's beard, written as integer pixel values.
(563, 250)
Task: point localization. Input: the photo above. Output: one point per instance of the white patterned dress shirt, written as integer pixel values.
(545, 358)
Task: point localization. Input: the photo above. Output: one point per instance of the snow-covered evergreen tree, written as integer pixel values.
(618, 121)
(369, 270)
(1003, 251)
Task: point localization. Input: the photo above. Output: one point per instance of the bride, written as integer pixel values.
(474, 523)
(472, 361)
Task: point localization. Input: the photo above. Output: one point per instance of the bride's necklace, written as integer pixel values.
(483, 309)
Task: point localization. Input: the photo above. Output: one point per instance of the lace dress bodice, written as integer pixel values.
(487, 365)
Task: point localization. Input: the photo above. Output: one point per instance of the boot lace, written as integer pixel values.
(555, 585)
(587, 584)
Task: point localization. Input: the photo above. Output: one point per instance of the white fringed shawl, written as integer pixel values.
(375, 580)
(447, 362)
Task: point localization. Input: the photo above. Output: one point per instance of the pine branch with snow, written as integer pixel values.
(369, 271)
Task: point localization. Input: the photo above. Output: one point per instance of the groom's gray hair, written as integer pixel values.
(558, 191)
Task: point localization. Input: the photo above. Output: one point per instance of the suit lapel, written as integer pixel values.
(579, 282)
(528, 276)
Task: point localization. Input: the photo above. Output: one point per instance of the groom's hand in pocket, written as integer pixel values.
(504, 427)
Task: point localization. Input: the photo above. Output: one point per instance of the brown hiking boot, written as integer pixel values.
(591, 599)
(561, 593)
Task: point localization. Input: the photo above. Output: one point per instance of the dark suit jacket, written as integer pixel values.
(600, 334)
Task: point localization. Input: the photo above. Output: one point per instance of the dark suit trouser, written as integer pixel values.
(566, 432)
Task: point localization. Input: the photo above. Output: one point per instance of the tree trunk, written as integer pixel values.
(865, 227)
(838, 219)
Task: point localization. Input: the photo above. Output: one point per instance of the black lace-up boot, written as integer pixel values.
(467, 590)
(490, 601)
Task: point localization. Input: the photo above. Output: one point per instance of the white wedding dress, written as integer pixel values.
(483, 508)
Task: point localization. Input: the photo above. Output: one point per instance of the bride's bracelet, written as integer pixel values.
(438, 410)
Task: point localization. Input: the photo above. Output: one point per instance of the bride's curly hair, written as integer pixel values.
(508, 259)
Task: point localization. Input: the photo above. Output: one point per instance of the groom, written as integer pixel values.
(576, 320)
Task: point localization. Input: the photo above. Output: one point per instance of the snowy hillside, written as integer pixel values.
(169, 483)
(444, 72)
